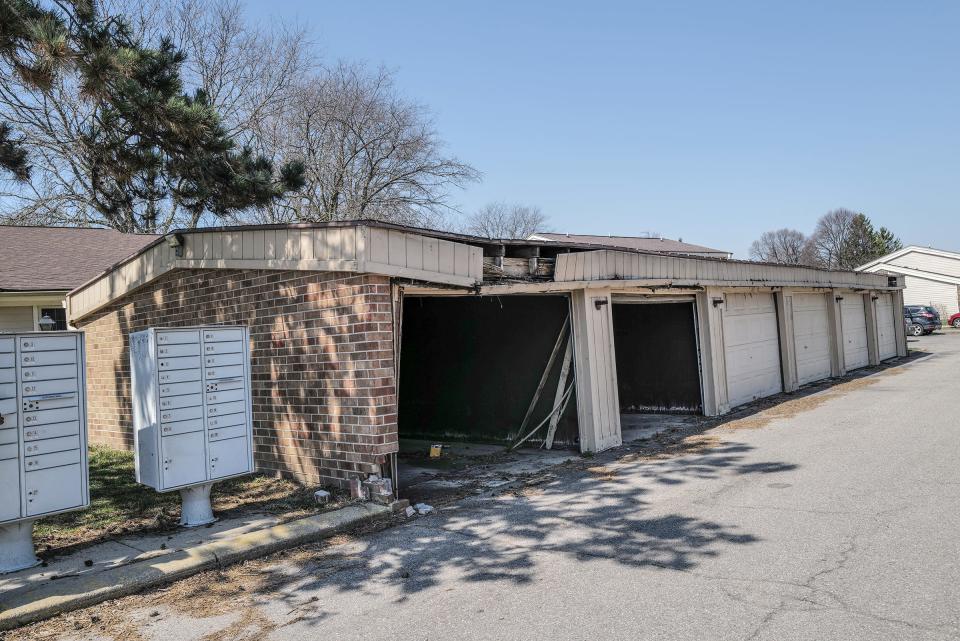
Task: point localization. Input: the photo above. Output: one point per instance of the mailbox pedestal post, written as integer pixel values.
(196, 509)
(16, 547)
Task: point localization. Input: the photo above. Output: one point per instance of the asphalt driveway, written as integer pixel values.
(833, 516)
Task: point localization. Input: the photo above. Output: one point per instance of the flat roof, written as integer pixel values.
(631, 242)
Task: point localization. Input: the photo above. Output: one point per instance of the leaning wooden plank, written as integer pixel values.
(544, 376)
(561, 388)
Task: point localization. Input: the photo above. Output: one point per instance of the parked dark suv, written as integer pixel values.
(921, 319)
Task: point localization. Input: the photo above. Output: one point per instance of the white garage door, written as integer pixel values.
(811, 335)
(855, 354)
(751, 346)
(886, 328)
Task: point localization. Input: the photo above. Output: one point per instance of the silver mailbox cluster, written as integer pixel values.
(191, 405)
(43, 432)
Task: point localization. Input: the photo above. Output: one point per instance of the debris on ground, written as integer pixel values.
(322, 496)
(423, 509)
(379, 489)
(358, 490)
(400, 505)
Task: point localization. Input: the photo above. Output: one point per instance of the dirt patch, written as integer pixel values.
(236, 591)
(603, 473)
(791, 408)
(120, 507)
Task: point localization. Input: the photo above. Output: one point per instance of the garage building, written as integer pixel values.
(364, 332)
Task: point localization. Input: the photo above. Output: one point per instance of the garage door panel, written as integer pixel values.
(752, 348)
(886, 327)
(853, 319)
(811, 332)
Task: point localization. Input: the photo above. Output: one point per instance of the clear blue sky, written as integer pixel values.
(710, 121)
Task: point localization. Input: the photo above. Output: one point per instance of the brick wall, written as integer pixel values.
(324, 394)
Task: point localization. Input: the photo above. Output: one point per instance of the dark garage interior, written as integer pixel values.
(470, 365)
(658, 364)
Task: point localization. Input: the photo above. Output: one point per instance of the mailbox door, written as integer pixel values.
(183, 460)
(229, 458)
(54, 489)
(10, 496)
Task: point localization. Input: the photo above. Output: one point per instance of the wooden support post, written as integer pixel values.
(788, 350)
(713, 370)
(873, 335)
(837, 365)
(899, 327)
(598, 405)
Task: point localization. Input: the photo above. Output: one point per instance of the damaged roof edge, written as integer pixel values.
(424, 231)
(427, 255)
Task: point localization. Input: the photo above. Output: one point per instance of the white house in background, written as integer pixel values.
(932, 276)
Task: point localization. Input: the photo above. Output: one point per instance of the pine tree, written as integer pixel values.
(858, 246)
(152, 150)
(885, 242)
(13, 157)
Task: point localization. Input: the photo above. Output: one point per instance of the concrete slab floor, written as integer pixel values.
(636, 427)
(486, 465)
(467, 465)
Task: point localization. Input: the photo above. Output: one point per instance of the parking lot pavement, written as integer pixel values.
(831, 518)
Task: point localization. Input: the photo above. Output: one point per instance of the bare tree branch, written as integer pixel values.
(368, 152)
(785, 246)
(500, 220)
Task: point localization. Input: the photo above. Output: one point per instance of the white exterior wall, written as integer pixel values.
(921, 291)
(16, 319)
(931, 276)
(21, 311)
(933, 263)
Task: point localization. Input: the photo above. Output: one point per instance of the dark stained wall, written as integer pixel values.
(470, 365)
(658, 367)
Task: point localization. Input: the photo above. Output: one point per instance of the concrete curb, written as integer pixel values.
(68, 594)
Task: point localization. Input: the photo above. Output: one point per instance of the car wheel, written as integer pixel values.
(956, 323)
(916, 330)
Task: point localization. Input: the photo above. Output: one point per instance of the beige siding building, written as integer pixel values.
(364, 334)
(931, 276)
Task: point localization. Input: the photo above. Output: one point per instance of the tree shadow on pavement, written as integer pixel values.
(599, 511)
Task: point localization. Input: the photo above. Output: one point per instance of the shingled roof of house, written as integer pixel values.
(60, 258)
